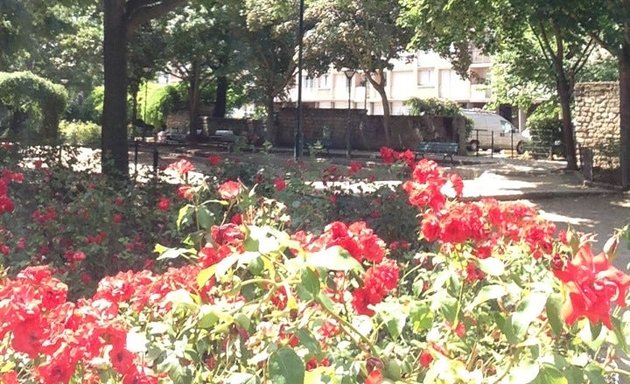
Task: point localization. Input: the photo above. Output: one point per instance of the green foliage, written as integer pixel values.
(600, 69)
(87, 134)
(545, 126)
(433, 106)
(23, 92)
(160, 101)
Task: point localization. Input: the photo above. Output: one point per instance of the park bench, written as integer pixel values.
(446, 149)
(223, 138)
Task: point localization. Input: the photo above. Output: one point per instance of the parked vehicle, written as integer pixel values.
(492, 131)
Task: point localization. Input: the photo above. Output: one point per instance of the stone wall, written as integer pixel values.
(596, 120)
(367, 131)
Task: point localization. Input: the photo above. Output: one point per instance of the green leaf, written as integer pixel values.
(286, 367)
(334, 259)
(309, 341)
(488, 292)
(529, 309)
(309, 285)
(491, 266)
(621, 338)
(551, 375)
(204, 276)
(326, 302)
(554, 308)
(205, 217)
(212, 315)
(250, 244)
(524, 373)
(185, 213)
(421, 317)
(170, 253)
(208, 319)
(595, 374)
(394, 316)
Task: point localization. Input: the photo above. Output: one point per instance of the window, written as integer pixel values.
(309, 82)
(425, 77)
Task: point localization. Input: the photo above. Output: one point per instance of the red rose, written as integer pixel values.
(164, 204)
(431, 228)
(186, 192)
(594, 284)
(280, 184)
(375, 377)
(230, 190)
(214, 160)
(182, 167)
(425, 359)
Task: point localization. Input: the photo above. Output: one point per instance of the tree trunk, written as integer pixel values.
(386, 111)
(220, 103)
(565, 93)
(115, 160)
(379, 86)
(272, 133)
(193, 102)
(624, 108)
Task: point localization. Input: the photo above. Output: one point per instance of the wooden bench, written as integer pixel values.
(447, 149)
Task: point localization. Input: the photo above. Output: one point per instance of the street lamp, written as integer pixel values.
(349, 74)
(299, 132)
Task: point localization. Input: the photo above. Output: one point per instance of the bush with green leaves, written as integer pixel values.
(26, 94)
(433, 106)
(545, 127)
(82, 133)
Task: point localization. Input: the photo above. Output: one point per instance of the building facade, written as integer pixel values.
(423, 75)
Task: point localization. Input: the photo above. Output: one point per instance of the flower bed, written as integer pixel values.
(483, 292)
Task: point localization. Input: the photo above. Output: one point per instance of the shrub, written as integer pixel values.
(433, 106)
(87, 134)
(544, 125)
(24, 92)
(487, 294)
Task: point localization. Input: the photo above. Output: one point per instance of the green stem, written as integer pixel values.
(344, 323)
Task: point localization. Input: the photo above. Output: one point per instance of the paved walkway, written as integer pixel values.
(498, 177)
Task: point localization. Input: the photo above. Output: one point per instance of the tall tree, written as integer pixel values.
(359, 35)
(500, 24)
(145, 59)
(121, 18)
(202, 45)
(272, 39)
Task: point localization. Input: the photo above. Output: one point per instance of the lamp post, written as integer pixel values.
(349, 74)
(299, 134)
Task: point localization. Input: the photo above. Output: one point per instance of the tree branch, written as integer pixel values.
(140, 11)
(543, 42)
(583, 58)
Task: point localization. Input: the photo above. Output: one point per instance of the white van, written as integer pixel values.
(493, 131)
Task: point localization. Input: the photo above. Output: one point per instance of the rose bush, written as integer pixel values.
(484, 292)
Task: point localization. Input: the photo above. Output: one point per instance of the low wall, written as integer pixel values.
(367, 131)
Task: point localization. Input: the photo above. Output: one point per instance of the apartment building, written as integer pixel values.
(423, 75)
